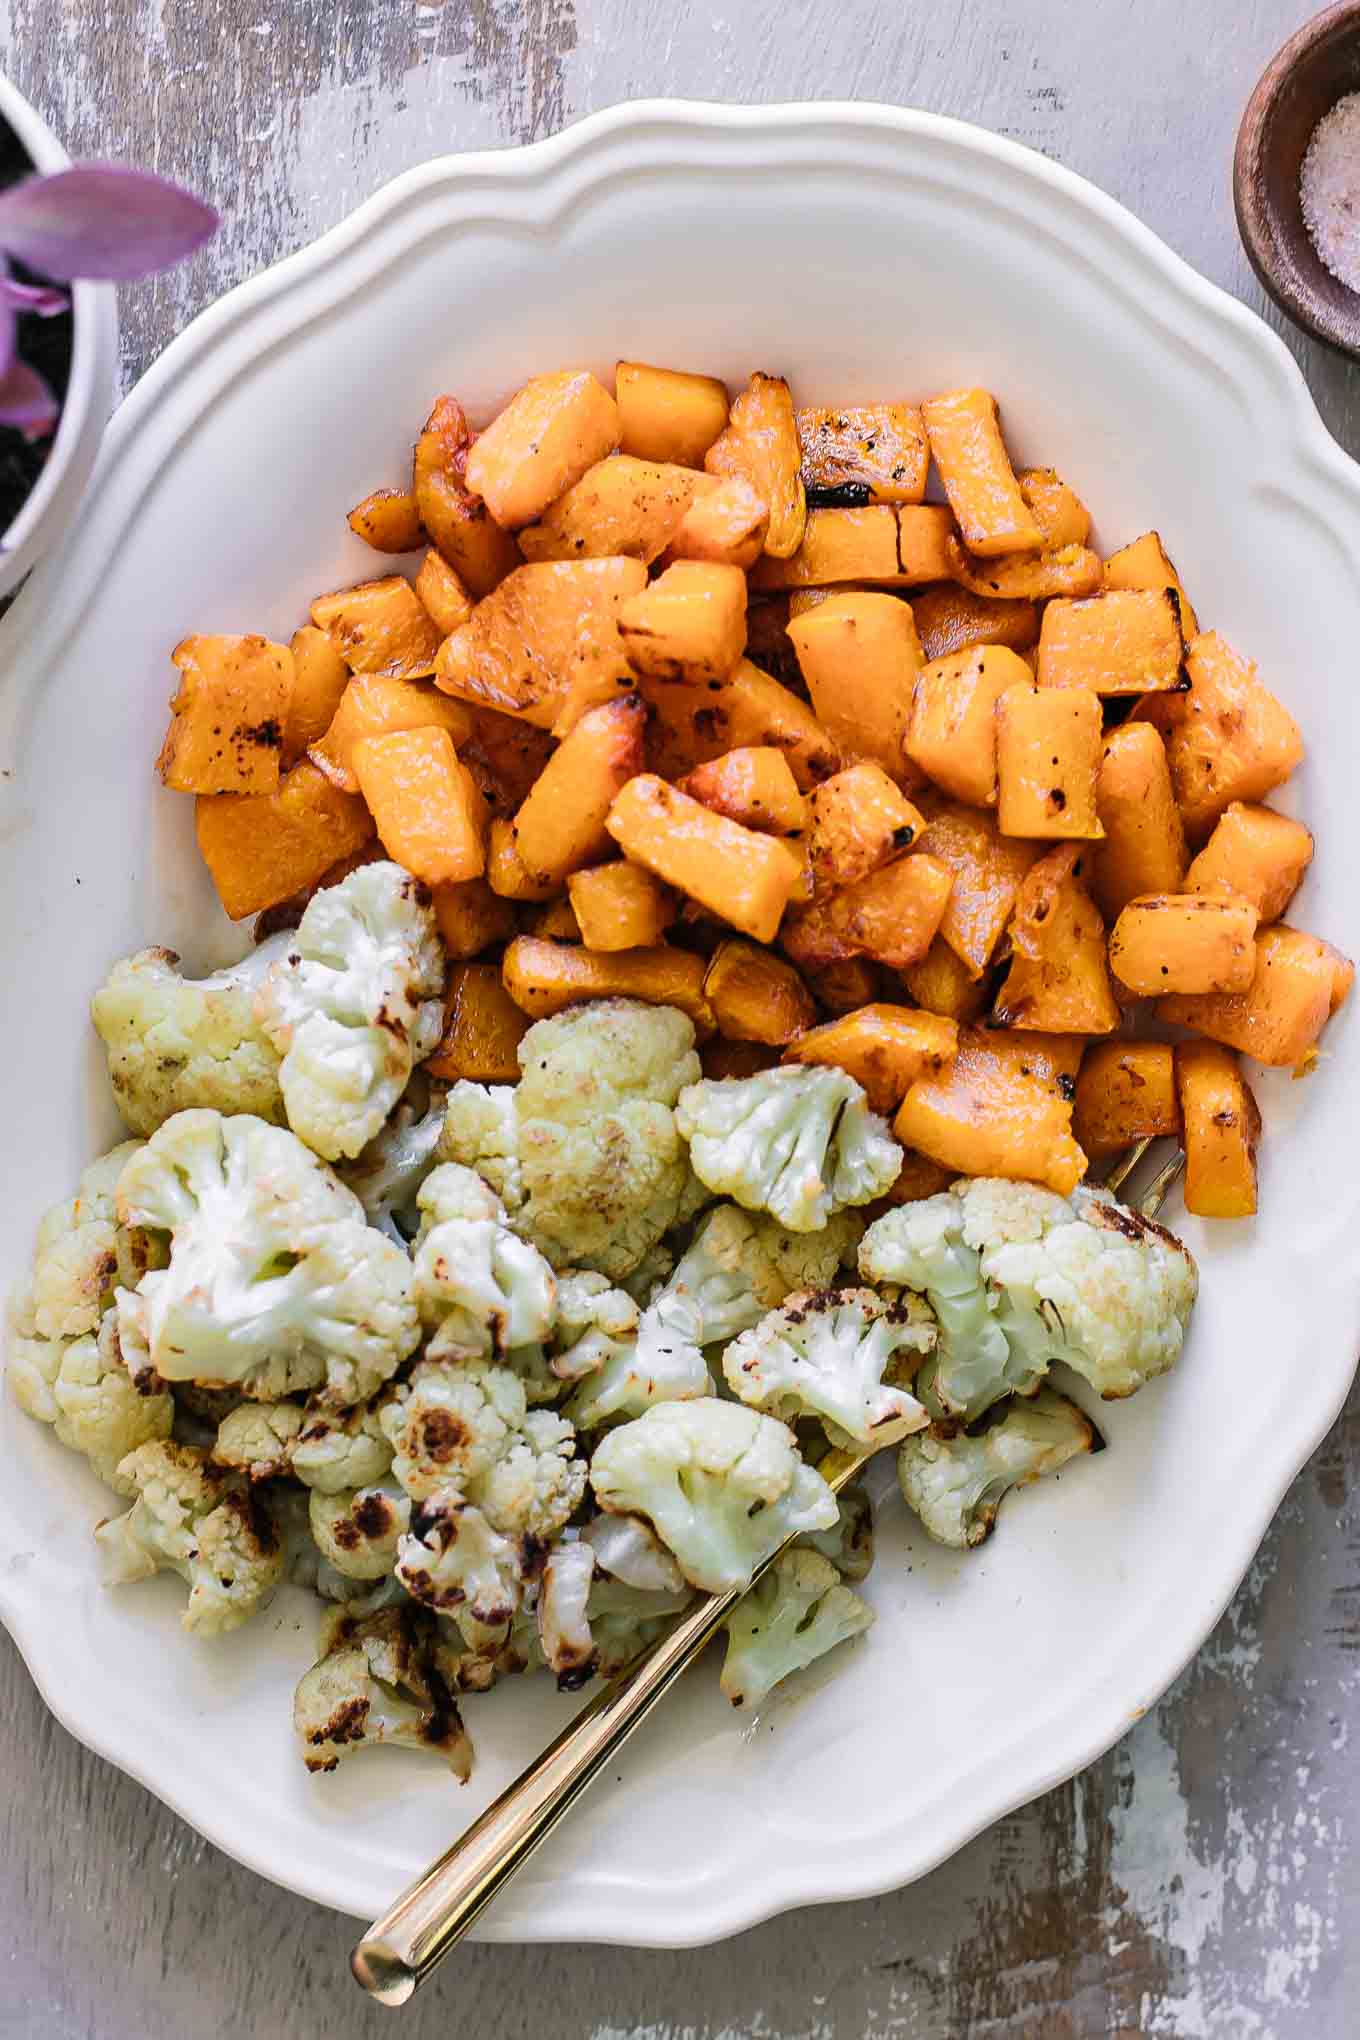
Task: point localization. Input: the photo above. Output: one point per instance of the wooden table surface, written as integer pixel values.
(1205, 1878)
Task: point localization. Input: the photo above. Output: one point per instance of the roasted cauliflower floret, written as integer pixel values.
(175, 1044)
(1019, 1277)
(275, 1283)
(358, 1530)
(387, 1175)
(258, 1439)
(82, 1388)
(625, 1619)
(722, 1486)
(629, 1550)
(337, 1449)
(79, 1255)
(832, 1354)
(481, 1132)
(564, 1615)
(379, 1678)
(798, 1143)
(479, 1286)
(956, 1480)
(594, 1323)
(451, 1421)
(796, 1612)
(536, 1486)
(453, 1561)
(849, 1543)
(353, 1006)
(188, 1519)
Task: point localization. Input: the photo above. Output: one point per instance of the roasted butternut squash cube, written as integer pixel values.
(1057, 509)
(545, 977)
(228, 715)
(1144, 846)
(1145, 564)
(666, 414)
(470, 918)
(505, 755)
(747, 710)
(892, 915)
(431, 818)
(505, 874)
(926, 540)
(1280, 1015)
(690, 624)
(545, 628)
(860, 820)
(725, 526)
(1222, 1126)
(1048, 751)
(561, 826)
(262, 848)
(742, 876)
(621, 906)
(721, 1058)
(388, 520)
(756, 996)
(549, 433)
(456, 521)
(1255, 853)
(320, 677)
(1064, 570)
(1059, 981)
(845, 986)
(380, 627)
(838, 545)
(374, 705)
(964, 431)
(987, 870)
(1235, 741)
(441, 593)
(760, 443)
(943, 983)
(1126, 641)
(1000, 1108)
(884, 1048)
(951, 619)
(952, 733)
(1184, 942)
(1126, 1092)
(621, 507)
(556, 921)
(877, 451)
(860, 656)
(483, 1028)
(753, 785)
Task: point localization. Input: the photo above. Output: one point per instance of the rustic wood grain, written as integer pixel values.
(1203, 1880)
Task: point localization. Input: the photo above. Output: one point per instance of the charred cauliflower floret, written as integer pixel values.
(358, 1530)
(796, 1612)
(80, 1255)
(798, 1143)
(452, 1560)
(833, 1354)
(955, 1481)
(186, 1518)
(467, 1426)
(379, 1678)
(479, 1287)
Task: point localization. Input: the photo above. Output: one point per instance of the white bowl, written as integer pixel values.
(868, 253)
(55, 497)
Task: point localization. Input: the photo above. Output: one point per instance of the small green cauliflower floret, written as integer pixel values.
(275, 1283)
(379, 1679)
(722, 1486)
(829, 1353)
(83, 1389)
(387, 1175)
(798, 1143)
(353, 1006)
(479, 1287)
(176, 1043)
(956, 1480)
(1019, 1278)
(359, 1530)
(796, 1612)
(594, 1169)
(188, 1519)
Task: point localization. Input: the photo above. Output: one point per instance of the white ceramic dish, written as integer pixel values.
(865, 252)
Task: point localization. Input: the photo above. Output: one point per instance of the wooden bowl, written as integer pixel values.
(1316, 67)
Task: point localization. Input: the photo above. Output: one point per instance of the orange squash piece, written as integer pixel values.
(1002, 1107)
(964, 430)
(1298, 984)
(860, 656)
(725, 525)
(753, 785)
(505, 755)
(892, 915)
(742, 876)
(374, 705)
(430, 817)
(545, 977)
(839, 545)
(483, 1028)
(1144, 846)
(549, 433)
(1184, 942)
(926, 540)
(844, 986)
(690, 624)
(544, 629)
(228, 715)
(860, 819)
(388, 520)
(760, 443)
(917, 1178)
(878, 450)
(756, 996)
(471, 917)
(747, 709)
(457, 522)
(505, 873)
(320, 677)
(1064, 570)
(666, 414)
(1235, 741)
(1048, 752)
(1222, 1126)
(556, 921)
(442, 594)
(1126, 1092)
(1255, 853)
(987, 870)
(952, 733)
(1125, 641)
(943, 983)
(621, 507)
(951, 619)
(884, 1048)
(561, 826)
(1059, 980)
(720, 1058)
(621, 906)
(1057, 509)
(1145, 564)
(380, 627)
(262, 848)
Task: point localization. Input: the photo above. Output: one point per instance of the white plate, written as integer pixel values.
(866, 253)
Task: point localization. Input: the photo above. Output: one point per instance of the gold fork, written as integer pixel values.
(401, 1949)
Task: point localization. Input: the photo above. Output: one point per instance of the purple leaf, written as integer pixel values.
(26, 402)
(42, 299)
(101, 220)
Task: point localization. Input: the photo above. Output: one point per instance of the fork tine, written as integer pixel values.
(1155, 1196)
(1124, 1167)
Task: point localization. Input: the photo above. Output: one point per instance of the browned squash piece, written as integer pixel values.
(742, 876)
(1126, 641)
(724, 525)
(621, 906)
(388, 520)
(1255, 853)
(373, 705)
(964, 430)
(1048, 752)
(721, 1058)
(845, 986)
(1184, 942)
(470, 918)
(747, 710)
(756, 996)
(380, 627)
(505, 874)
(987, 870)
(752, 785)
(943, 983)
(1057, 509)
(430, 817)
(860, 820)
(760, 444)
(1059, 981)
(483, 1028)
(1066, 570)
(1002, 1107)
(1126, 1092)
(690, 624)
(458, 523)
(666, 414)
(884, 1048)
(542, 630)
(228, 716)
(926, 543)
(555, 922)
(441, 593)
(1145, 564)
(860, 656)
(505, 755)
(287, 913)
(621, 508)
(917, 1178)
(1235, 741)
(320, 677)
(1221, 1129)
(545, 977)
(561, 826)
(553, 429)
(839, 545)
(892, 915)
(952, 734)
(876, 451)
(1284, 1009)
(951, 619)
(1144, 846)
(262, 848)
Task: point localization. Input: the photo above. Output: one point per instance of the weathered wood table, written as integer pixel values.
(1205, 1878)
